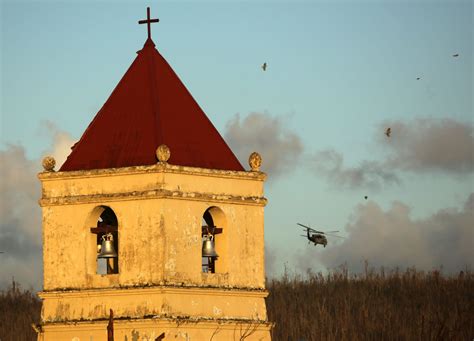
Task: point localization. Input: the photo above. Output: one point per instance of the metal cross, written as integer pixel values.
(148, 21)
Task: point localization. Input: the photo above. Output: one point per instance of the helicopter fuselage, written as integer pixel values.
(317, 238)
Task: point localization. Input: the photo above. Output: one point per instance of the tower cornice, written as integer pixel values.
(152, 194)
(157, 168)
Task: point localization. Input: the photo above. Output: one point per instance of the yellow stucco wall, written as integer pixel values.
(159, 210)
(156, 301)
(150, 329)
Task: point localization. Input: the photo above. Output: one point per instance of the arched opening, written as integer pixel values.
(214, 246)
(106, 241)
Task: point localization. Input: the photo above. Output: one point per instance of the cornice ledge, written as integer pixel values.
(160, 289)
(157, 168)
(193, 320)
(152, 194)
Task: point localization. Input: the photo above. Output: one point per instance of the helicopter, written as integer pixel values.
(317, 237)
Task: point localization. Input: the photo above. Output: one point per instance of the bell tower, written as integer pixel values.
(152, 229)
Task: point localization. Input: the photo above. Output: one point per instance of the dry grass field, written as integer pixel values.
(409, 305)
(18, 310)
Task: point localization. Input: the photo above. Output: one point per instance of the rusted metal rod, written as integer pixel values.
(110, 327)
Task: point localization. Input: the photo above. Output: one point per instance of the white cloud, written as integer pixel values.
(270, 261)
(62, 143)
(430, 144)
(393, 239)
(420, 146)
(279, 147)
(20, 224)
(371, 174)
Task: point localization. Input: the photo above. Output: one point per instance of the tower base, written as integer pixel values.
(151, 328)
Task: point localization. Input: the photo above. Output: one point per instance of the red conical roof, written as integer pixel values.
(150, 106)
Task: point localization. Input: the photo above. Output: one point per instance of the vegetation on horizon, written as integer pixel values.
(395, 305)
(18, 310)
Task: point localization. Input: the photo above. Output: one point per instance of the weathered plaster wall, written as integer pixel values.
(174, 329)
(159, 211)
(159, 177)
(159, 242)
(158, 301)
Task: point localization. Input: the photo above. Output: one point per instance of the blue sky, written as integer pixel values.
(337, 70)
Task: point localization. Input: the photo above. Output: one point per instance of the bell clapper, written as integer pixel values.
(209, 251)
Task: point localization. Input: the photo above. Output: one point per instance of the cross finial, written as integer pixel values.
(148, 21)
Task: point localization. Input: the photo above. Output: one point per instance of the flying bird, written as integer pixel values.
(418, 78)
(366, 197)
(264, 66)
(388, 131)
(456, 55)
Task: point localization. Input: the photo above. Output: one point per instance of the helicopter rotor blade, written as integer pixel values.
(316, 231)
(333, 235)
(309, 228)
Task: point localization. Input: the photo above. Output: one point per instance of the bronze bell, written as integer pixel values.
(208, 248)
(107, 249)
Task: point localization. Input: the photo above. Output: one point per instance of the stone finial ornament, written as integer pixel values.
(163, 153)
(255, 161)
(48, 163)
